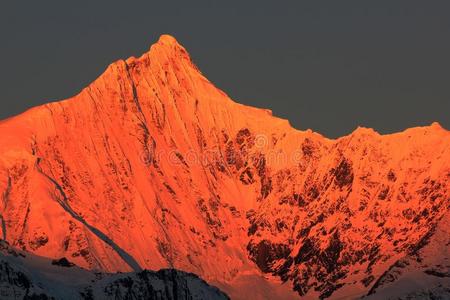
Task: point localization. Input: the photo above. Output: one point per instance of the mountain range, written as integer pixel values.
(152, 167)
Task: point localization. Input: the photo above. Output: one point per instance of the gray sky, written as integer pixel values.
(325, 65)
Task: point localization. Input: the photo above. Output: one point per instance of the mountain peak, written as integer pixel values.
(166, 48)
(165, 52)
(169, 45)
(167, 39)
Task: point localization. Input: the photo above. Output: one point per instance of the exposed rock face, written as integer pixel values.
(151, 166)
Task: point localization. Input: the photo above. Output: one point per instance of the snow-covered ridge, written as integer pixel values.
(26, 276)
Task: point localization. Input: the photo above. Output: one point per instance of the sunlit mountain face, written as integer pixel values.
(152, 167)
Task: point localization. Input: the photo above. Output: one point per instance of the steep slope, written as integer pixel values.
(25, 276)
(423, 273)
(151, 166)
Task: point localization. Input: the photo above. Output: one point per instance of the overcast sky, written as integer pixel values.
(325, 65)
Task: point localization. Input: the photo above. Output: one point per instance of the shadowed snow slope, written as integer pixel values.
(26, 276)
(151, 166)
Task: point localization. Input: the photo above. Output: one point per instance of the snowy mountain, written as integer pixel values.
(152, 167)
(26, 276)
